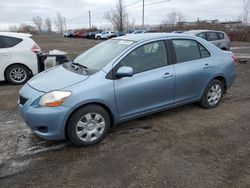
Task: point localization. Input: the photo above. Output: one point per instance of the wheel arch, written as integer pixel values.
(104, 106)
(223, 80)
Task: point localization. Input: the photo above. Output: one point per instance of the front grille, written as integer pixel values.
(22, 100)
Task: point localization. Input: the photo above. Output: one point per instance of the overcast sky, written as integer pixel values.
(15, 12)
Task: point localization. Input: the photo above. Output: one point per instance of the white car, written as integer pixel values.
(18, 59)
(105, 35)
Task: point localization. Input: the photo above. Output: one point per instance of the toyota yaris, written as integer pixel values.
(121, 79)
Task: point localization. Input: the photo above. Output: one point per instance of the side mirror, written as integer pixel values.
(124, 71)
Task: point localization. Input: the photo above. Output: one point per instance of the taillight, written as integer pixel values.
(235, 60)
(35, 48)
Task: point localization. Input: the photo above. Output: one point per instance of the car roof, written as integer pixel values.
(201, 30)
(13, 34)
(149, 36)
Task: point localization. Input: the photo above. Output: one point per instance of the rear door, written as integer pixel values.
(152, 85)
(4, 55)
(193, 68)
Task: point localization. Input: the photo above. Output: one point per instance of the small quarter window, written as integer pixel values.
(204, 52)
(220, 35)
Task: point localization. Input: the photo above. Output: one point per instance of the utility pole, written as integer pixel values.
(64, 24)
(142, 14)
(89, 20)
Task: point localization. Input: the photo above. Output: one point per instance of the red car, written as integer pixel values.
(79, 34)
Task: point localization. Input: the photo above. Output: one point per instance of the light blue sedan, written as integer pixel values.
(121, 79)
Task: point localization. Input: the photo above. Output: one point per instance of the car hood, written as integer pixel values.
(55, 79)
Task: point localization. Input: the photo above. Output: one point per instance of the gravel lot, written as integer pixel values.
(183, 147)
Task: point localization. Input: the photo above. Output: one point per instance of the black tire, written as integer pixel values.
(9, 74)
(205, 98)
(79, 115)
(98, 37)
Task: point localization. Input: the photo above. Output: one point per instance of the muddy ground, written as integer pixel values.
(183, 147)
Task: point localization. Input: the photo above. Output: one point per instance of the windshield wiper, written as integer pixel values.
(79, 65)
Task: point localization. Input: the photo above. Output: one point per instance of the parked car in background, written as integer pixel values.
(85, 35)
(79, 34)
(68, 34)
(138, 32)
(18, 59)
(143, 31)
(116, 34)
(178, 31)
(218, 38)
(92, 34)
(121, 79)
(105, 35)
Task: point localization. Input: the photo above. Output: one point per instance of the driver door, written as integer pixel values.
(152, 85)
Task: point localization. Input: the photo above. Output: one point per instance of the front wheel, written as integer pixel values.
(212, 95)
(88, 125)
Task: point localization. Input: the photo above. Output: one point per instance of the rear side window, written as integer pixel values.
(10, 41)
(2, 45)
(211, 36)
(188, 50)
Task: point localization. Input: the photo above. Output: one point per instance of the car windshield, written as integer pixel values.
(100, 55)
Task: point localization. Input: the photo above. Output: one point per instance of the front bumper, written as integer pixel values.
(46, 122)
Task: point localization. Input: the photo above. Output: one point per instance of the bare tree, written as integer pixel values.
(118, 16)
(174, 17)
(48, 25)
(38, 23)
(245, 13)
(14, 28)
(60, 23)
(24, 28)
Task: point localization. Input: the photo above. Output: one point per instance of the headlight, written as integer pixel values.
(54, 98)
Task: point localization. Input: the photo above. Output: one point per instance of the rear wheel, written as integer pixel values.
(88, 125)
(98, 37)
(17, 74)
(213, 94)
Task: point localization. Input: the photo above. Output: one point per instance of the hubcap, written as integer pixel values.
(18, 75)
(90, 127)
(214, 94)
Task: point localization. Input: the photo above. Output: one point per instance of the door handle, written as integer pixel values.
(206, 66)
(167, 75)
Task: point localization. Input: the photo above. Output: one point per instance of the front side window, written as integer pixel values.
(146, 57)
(10, 41)
(211, 36)
(202, 35)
